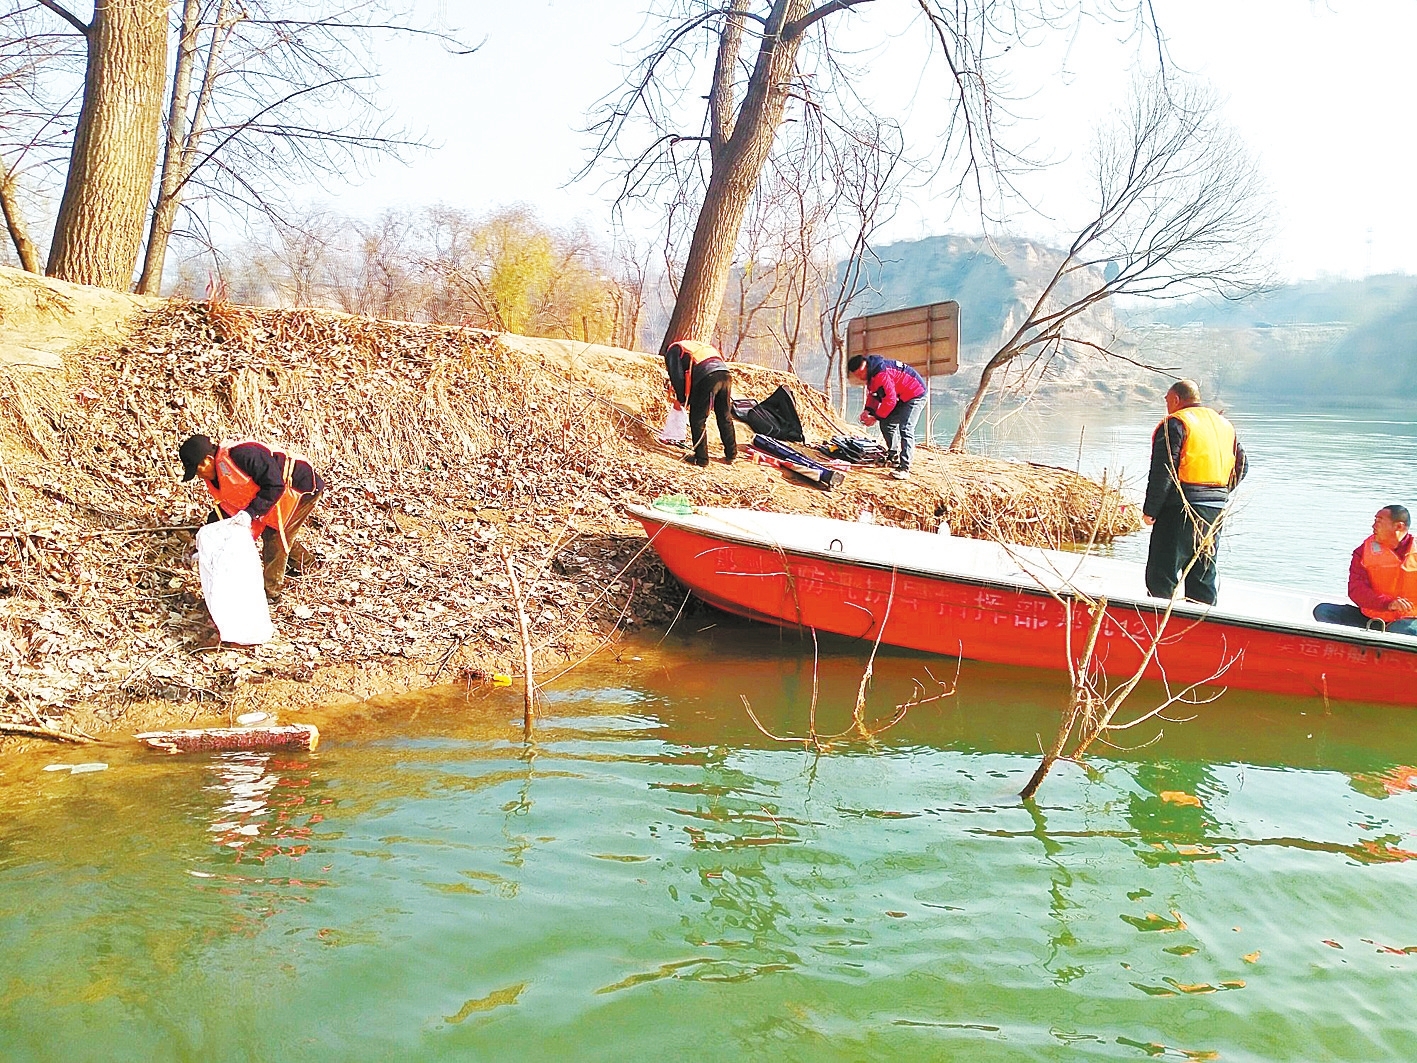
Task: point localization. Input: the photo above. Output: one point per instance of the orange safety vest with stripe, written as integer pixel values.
(698, 352)
(234, 490)
(1392, 577)
(1208, 453)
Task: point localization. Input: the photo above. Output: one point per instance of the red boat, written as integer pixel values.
(990, 601)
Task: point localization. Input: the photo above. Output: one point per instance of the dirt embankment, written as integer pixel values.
(450, 453)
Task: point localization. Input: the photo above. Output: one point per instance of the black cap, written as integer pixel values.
(192, 452)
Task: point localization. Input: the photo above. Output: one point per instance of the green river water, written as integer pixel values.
(654, 878)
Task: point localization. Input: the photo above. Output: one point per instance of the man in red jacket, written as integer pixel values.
(276, 491)
(895, 395)
(1382, 579)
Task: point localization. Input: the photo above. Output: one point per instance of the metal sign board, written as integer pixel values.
(923, 337)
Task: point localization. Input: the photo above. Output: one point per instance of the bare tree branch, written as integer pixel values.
(652, 134)
(68, 16)
(1180, 208)
(801, 25)
(15, 222)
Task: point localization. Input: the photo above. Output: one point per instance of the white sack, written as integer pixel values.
(676, 424)
(233, 583)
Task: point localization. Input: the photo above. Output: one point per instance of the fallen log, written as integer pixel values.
(44, 732)
(228, 739)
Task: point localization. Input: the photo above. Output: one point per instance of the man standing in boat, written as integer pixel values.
(1382, 579)
(276, 491)
(1196, 461)
(699, 378)
(895, 395)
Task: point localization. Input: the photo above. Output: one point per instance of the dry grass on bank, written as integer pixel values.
(443, 448)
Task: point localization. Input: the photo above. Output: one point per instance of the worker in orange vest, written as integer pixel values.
(1196, 461)
(1382, 579)
(275, 491)
(699, 379)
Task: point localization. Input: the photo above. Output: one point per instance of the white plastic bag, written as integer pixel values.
(232, 582)
(676, 424)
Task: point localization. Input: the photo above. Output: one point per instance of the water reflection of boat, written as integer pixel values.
(262, 813)
(991, 602)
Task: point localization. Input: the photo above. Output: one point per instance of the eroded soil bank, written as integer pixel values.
(450, 453)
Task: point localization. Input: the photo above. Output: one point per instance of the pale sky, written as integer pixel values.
(1321, 91)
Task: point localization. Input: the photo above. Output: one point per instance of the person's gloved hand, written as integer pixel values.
(866, 418)
(243, 518)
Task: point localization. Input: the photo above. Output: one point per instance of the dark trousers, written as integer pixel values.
(1352, 616)
(276, 551)
(1183, 532)
(716, 390)
(898, 430)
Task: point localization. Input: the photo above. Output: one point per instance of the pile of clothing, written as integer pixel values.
(854, 449)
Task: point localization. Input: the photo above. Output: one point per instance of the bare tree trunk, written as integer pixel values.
(737, 162)
(99, 230)
(841, 379)
(173, 151)
(967, 418)
(1080, 674)
(1180, 210)
(634, 308)
(178, 160)
(524, 629)
(15, 223)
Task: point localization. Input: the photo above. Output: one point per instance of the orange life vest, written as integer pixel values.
(234, 490)
(698, 352)
(1208, 453)
(1392, 577)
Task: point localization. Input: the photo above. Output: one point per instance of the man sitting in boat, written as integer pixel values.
(1196, 461)
(1382, 579)
(699, 378)
(895, 395)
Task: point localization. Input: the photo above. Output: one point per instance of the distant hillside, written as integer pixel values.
(1317, 342)
(1375, 360)
(995, 285)
(1320, 342)
(1318, 302)
(1335, 342)
(917, 272)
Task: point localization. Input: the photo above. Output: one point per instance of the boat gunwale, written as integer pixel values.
(1354, 636)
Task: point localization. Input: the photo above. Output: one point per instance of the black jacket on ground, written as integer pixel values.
(1161, 487)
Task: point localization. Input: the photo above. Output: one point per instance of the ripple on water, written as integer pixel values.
(630, 886)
